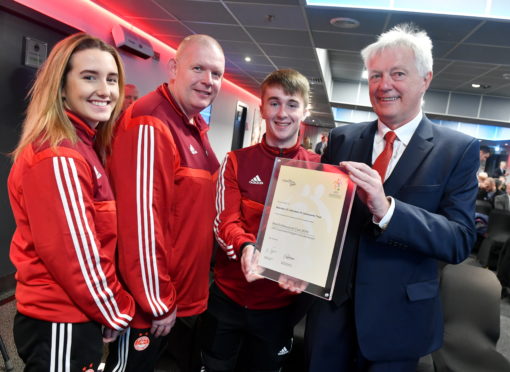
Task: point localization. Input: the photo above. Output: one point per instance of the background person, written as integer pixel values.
(64, 244)
(130, 95)
(500, 171)
(415, 205)
(485, 153)
(321, 146)
(163, 171)
(502, 201)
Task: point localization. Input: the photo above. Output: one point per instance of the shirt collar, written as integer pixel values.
(404, 133)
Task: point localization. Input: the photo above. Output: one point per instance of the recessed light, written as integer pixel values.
(475, 85)
(247, 59)
(344, 22)
(506, 76)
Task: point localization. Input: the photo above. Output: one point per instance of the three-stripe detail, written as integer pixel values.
(84, 243)
(220, 207)
(61, 342)
(145, 219)
(122, 351)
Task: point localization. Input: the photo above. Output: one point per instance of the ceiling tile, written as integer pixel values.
(492, 33)
(161, 27)
(132, 8)
(438, 27)
(466, 68)
(370, 22)
(245, 48)
(198, 11)
(219, 32)
(283, 37)
(238, 59)
(469, 52)
(340, 41)
(288, 51)
(298, 64)
(274, 16)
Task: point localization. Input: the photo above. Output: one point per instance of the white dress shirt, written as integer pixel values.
(404, 134)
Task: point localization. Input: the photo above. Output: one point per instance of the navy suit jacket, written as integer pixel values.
(396, 294)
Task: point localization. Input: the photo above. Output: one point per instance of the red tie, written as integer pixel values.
(382, 161)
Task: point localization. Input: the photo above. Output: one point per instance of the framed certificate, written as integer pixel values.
(303, 225)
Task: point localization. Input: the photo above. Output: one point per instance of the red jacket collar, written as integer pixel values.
(200, 123)
(278, 151)
(84, 132)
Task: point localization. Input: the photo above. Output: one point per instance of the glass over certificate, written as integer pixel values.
(303, 225)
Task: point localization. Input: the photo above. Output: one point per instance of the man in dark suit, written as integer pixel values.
(385, 312)
(501, 170)
(321, 146)
(503, 201)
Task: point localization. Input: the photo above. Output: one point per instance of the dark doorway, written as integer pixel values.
(239, 126)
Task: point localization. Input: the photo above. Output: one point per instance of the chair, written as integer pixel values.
(498, 232)
(483, 206)
(471, 305)
(503, 272)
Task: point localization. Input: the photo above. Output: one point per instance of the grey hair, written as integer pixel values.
(404, 35)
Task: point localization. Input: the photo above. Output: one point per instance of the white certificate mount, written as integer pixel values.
(303, 225)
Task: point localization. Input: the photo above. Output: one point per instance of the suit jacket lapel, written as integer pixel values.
(420, 145)
(362, 146)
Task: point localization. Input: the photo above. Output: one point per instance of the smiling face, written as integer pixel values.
(196, 75)
(396, 88)
(91, 87)
(283, 114)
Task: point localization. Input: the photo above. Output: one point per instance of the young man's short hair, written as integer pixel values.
(291, 81)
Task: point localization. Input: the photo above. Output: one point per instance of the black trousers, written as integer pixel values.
(50, 347)
(252, 340)
(135, 350)
(332, 345)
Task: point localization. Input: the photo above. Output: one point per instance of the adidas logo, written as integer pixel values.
(192, 149)
(283, 351)
(98, 175)
(256, 180)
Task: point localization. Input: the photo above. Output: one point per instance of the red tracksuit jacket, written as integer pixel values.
(163, 172)
(241, 193)
(66, 232)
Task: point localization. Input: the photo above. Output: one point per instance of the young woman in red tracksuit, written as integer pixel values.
(68, 295)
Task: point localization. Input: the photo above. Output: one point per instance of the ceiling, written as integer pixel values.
(284, 33)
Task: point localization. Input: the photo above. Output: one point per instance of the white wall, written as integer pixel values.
(148, 74)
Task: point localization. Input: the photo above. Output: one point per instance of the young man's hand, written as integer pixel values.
(249, 263)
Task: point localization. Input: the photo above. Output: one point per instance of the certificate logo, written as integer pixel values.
(338, 184)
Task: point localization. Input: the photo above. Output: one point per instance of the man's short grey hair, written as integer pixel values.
(404, 35)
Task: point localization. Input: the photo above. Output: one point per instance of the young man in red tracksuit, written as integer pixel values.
(243, 311)
(163, 172)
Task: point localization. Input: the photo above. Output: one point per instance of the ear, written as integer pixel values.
(261, 111)
(306, 114)
(427, 80)
(172, 67)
